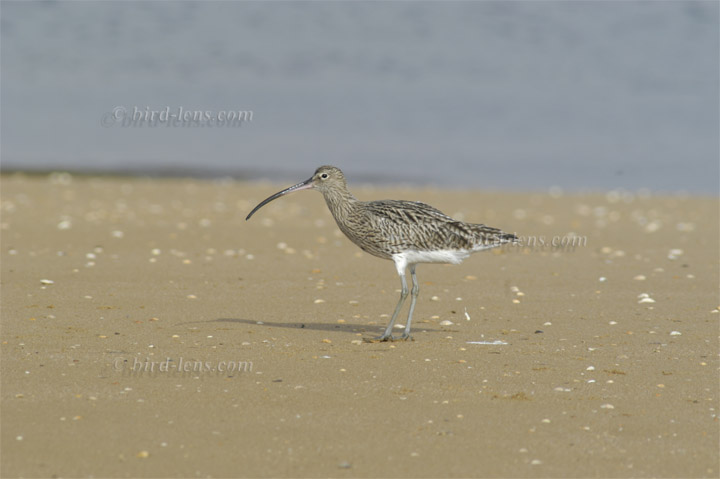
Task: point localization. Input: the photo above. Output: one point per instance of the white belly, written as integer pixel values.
(452, 256)
(440, 256)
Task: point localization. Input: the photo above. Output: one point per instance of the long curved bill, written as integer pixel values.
(305, 185)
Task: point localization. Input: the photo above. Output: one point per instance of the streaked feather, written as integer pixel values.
(389, 227)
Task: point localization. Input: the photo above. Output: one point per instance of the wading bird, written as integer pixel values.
(406, 232)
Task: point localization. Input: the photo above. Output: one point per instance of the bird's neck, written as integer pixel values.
(340, 202)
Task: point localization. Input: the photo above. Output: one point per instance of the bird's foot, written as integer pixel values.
(390, 337)
(380, 339)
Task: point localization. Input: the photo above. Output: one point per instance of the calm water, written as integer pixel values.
(509, 95)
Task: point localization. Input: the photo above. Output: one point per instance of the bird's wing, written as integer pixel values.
(406, 212)
(413, 225)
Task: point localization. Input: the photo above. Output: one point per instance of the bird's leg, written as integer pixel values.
(387, 335)
(415, 292)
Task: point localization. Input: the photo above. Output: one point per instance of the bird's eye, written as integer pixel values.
(324, 176)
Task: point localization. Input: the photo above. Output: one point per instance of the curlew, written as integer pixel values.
(406, 232)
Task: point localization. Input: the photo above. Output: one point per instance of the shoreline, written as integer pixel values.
(362, 181)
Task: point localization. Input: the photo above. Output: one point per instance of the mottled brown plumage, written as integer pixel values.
(406, 232)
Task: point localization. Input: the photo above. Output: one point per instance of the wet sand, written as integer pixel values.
(122, 299)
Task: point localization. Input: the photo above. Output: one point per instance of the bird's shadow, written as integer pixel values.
(348, 328)
(342, 327)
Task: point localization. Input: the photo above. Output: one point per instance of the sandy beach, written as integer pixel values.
(148, 330)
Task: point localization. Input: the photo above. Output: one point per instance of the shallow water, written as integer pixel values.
(512, 95)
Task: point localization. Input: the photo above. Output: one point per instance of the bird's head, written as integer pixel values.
(325, 179)
(328, 178)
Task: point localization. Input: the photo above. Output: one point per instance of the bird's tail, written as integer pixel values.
(489, 237)
(507, 237)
